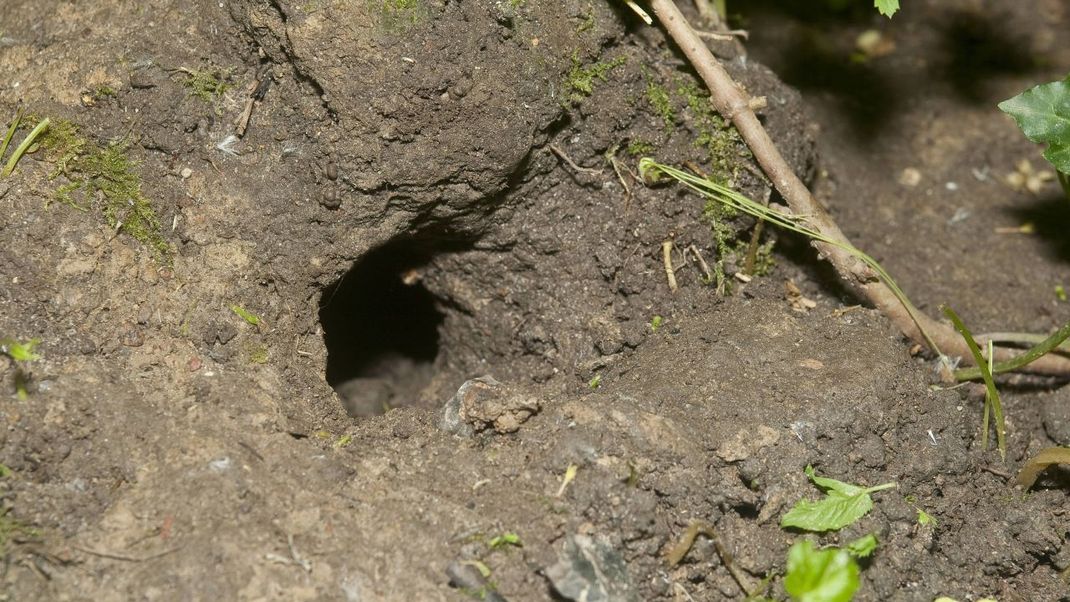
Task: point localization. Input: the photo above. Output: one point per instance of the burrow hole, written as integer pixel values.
(381, 328)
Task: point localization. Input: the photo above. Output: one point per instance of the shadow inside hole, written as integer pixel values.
(381, 329)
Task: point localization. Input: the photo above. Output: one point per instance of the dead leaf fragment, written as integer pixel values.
(1036, 465)
(874, 44)
(1025, 178)
(796, 299)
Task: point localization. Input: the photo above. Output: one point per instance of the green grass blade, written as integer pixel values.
(795, 223)
(11, 132)
(21, 150)
(992, 395)
(1043, 348)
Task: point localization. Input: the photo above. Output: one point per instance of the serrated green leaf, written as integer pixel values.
(863, 546)
(832, 484)
(843, 504)
(886, 7)
(820, 575)
(1043, 114)
(834, 512)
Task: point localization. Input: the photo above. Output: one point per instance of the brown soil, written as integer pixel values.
(396, 217)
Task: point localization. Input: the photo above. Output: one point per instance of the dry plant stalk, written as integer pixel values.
(734, 106)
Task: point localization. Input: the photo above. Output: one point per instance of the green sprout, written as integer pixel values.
(655, 323)
(924, 518)
(1042, 346)
(22, 354)
(843, 505)
(992, 401)
(505, 539)
(244, 314)
(27, 142)
(595, 382)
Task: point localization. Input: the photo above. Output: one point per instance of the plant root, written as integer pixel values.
(735, 106)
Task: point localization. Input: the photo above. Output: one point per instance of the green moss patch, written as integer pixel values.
(207, 84)
(402, 14)
(104, 179)
(580, 80)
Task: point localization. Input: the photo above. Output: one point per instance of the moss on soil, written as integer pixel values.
(580, 80)
(207, 84)
(108, 179)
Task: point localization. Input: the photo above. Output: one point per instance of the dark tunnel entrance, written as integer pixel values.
(381, 330)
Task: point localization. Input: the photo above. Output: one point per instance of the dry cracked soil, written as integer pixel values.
(355, 300)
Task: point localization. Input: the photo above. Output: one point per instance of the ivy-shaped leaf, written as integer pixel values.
(886, 7)
(1043, 113)
(843, 504)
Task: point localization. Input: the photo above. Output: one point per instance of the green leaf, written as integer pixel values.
(20, 352)
(863, 546)
(1043, 113)
(245, 314)
(843, 504)
(820, 575)
(924, 518)
(887, 7)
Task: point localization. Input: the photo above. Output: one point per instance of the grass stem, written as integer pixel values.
(21, 150)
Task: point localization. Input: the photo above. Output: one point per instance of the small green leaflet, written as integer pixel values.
(20, 352)
(506, 539)
(863, 546)
(924, 518)
(843, 504)
(1043, 113)
(820, 575)
(886, 7)
(245, 314)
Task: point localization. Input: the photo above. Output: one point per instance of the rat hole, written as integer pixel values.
(381, 329)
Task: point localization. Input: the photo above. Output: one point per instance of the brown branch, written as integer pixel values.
(734, 105)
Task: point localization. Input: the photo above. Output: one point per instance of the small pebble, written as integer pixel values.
(186, 172)
(330, 199)
(332, 171)
(910, 177)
